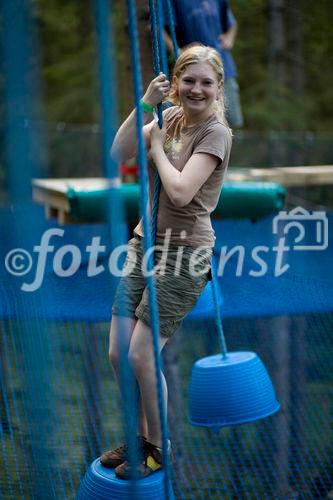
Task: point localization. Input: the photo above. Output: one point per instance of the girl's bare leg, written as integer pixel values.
(141, 357)
(121, 332)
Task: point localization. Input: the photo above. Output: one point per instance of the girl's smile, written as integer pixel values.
(198, 90)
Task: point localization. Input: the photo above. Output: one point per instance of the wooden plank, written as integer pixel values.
(52, 193)
(54, 198)
(287, 176)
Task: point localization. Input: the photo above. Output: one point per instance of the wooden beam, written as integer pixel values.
(287, 176)
(52, 193)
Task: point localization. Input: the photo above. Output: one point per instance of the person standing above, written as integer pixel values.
(212, 23)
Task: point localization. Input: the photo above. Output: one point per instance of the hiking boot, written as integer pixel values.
(151, 461)
(114, 458)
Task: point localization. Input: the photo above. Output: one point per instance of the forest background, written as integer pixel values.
(283, 53)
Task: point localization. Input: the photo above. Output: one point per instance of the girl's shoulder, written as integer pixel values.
(216, 122)
(214, 126)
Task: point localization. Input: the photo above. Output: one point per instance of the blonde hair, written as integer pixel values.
(197, 53)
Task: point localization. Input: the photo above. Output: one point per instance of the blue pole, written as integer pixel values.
(108, 107)
(24, 150)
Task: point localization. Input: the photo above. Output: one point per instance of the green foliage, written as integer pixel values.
(267, 104)
(71, 82)
(273, 106)
(69, 60)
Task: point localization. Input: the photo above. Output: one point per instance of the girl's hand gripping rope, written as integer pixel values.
(157, 90)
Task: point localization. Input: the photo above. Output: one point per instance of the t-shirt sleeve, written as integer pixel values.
(215, 141)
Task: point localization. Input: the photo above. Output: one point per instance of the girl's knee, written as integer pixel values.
(138, 361)
(114, 357)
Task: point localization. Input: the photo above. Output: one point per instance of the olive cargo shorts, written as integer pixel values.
(179, 276)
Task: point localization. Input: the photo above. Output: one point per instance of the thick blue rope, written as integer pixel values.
(157, 69)
(218, 319)
(147, 241)
(156, 52)
(171, 23)
(108, 114)
(163, 52)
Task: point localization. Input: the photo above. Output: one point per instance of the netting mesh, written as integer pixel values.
(47, 447)
(60, 404)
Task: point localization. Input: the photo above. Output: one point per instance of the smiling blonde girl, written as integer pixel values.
(191, 154)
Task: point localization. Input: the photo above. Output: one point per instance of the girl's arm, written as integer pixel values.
(182, 186)
(125, 143)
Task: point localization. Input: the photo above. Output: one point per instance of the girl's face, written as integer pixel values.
(198, 90)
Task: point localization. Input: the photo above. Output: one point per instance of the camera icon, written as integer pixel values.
(312, 228)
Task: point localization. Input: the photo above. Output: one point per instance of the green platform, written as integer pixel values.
(238, 200)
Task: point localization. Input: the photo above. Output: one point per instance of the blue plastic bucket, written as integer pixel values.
(101, 483)
(230, 391)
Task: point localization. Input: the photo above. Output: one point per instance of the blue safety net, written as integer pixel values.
(60, 407)
(289, 281)
(59, 401)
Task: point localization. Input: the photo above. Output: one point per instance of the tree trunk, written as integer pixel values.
(277, 72)
(296, 66)
(145, 42)
(296, 46)
(125, 71)
(276, 41)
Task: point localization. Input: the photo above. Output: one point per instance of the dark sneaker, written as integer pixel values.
(116, 457)
(152, 461)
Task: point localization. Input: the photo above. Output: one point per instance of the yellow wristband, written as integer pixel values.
(147, 108)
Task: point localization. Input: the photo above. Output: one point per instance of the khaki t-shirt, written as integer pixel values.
(190, 225)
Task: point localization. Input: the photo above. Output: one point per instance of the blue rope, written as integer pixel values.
(142, 160)
(163, 52)
(157, 69)
(156, 53)
(218, 319)
(171, 23)
(154, 212)
(108, 115)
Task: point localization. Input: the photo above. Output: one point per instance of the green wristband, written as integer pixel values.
(147, 108)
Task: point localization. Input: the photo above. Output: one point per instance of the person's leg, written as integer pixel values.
(141, 357)
(127, 297)
(176, 295)
(233, 105)
(121, 332)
